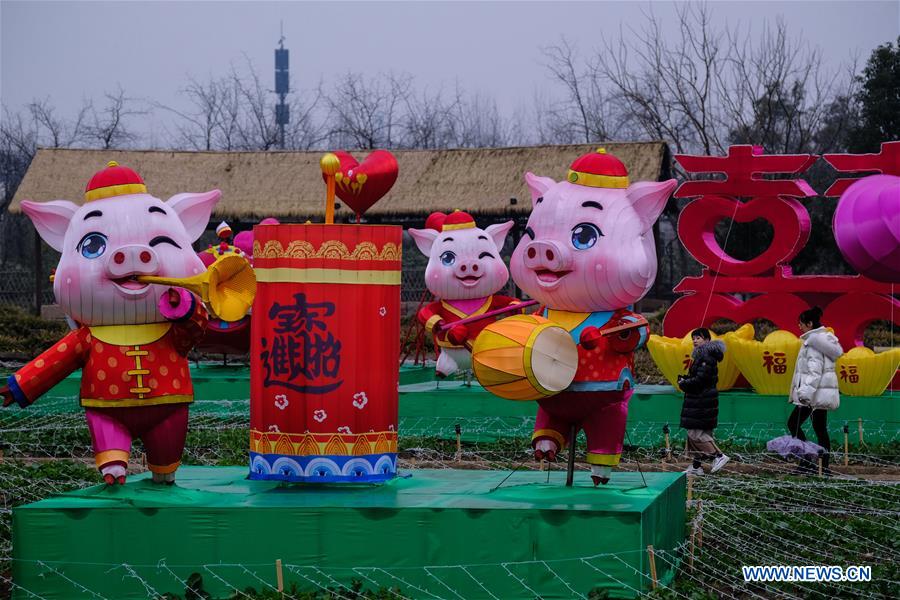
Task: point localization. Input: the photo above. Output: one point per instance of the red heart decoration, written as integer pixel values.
(688, 312)
(698, 220)
(360, 186)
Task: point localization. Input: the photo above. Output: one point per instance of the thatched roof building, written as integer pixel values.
(288, 185)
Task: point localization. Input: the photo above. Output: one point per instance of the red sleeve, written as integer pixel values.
(629, 340)
(430, 316)
(40, 375)
(190, 330)
(503, 301)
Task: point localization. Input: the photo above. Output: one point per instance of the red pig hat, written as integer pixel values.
(114, 180)
(598, 169)
(455, 220)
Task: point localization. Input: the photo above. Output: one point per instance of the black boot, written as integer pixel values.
(826, 459)
(804, 467)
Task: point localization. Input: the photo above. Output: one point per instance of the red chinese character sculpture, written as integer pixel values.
(851, 303)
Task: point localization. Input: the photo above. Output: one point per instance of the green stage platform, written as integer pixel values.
(437, 534)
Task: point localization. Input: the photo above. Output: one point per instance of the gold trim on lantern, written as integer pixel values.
(332, 249)
(597, 181)
(349, 276)
(305, 444)
(115, 190)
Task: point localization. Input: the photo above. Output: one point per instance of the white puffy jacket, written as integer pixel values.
(815, 383)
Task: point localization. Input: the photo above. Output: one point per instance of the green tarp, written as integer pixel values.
(437, 533)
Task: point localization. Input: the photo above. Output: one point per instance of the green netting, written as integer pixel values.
(433, 409)
(427, 534)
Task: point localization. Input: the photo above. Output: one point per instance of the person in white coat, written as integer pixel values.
(814, 387)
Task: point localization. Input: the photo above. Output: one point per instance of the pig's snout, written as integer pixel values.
(547, 255)
(128, 260)
(469, 267)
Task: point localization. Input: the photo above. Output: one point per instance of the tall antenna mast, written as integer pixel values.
(282, 87)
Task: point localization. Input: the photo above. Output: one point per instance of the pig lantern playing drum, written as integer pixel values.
(464, 273)
(131, 338)
(587, 256)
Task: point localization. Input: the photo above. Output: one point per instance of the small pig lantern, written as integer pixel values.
(132, 338)
(587, 256)
(464, 273)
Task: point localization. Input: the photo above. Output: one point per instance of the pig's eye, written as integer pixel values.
(585, 235)
(93, 245)
(448, 258)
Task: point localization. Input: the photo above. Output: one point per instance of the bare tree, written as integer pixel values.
(700, 89)
(18, 143)
(109, 129)
(584, 113)
(198, 126)
(55, 131)
(781, 94)
(365, 113)
(307, 129)
(427, 120)
(477, 122)
(237, 112)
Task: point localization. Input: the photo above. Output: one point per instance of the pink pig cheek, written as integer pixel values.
(499, 274)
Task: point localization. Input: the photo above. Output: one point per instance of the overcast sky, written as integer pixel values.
(66, 51)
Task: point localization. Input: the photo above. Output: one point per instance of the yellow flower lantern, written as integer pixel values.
(673, 355)
(862, 372)
(768, 365)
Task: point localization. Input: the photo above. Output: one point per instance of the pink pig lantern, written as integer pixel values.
(867, 227)
(464, 273)
(587, 256)
(133, 337)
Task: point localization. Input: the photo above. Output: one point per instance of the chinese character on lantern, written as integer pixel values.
(302, 355)
(780, 367)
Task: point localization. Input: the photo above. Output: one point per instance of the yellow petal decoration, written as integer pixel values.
(862, 372)
(673, 355)
(768, 365)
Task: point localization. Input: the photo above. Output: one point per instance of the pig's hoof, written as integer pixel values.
(109, 479)
(598, 480)
(548, 455)
(120, 480)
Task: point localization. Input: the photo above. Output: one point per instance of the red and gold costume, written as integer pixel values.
(444, 313)
(597, 399)
(125, 370)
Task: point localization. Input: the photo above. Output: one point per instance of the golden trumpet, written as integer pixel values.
(227, 287)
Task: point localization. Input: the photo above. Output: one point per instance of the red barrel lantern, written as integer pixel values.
(325, 342)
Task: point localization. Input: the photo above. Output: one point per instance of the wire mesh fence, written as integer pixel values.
(758, 510)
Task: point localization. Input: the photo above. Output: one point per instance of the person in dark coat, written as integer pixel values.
(700, 411)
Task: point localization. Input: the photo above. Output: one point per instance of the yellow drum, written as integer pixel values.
(524, 357)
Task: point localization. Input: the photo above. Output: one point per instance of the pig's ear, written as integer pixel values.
(649, 199)
(51, 219)
(498, 232)
(538, 185)
(194, 210)
(424, 238)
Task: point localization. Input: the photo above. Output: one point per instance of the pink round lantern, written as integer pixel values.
(867, 227)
